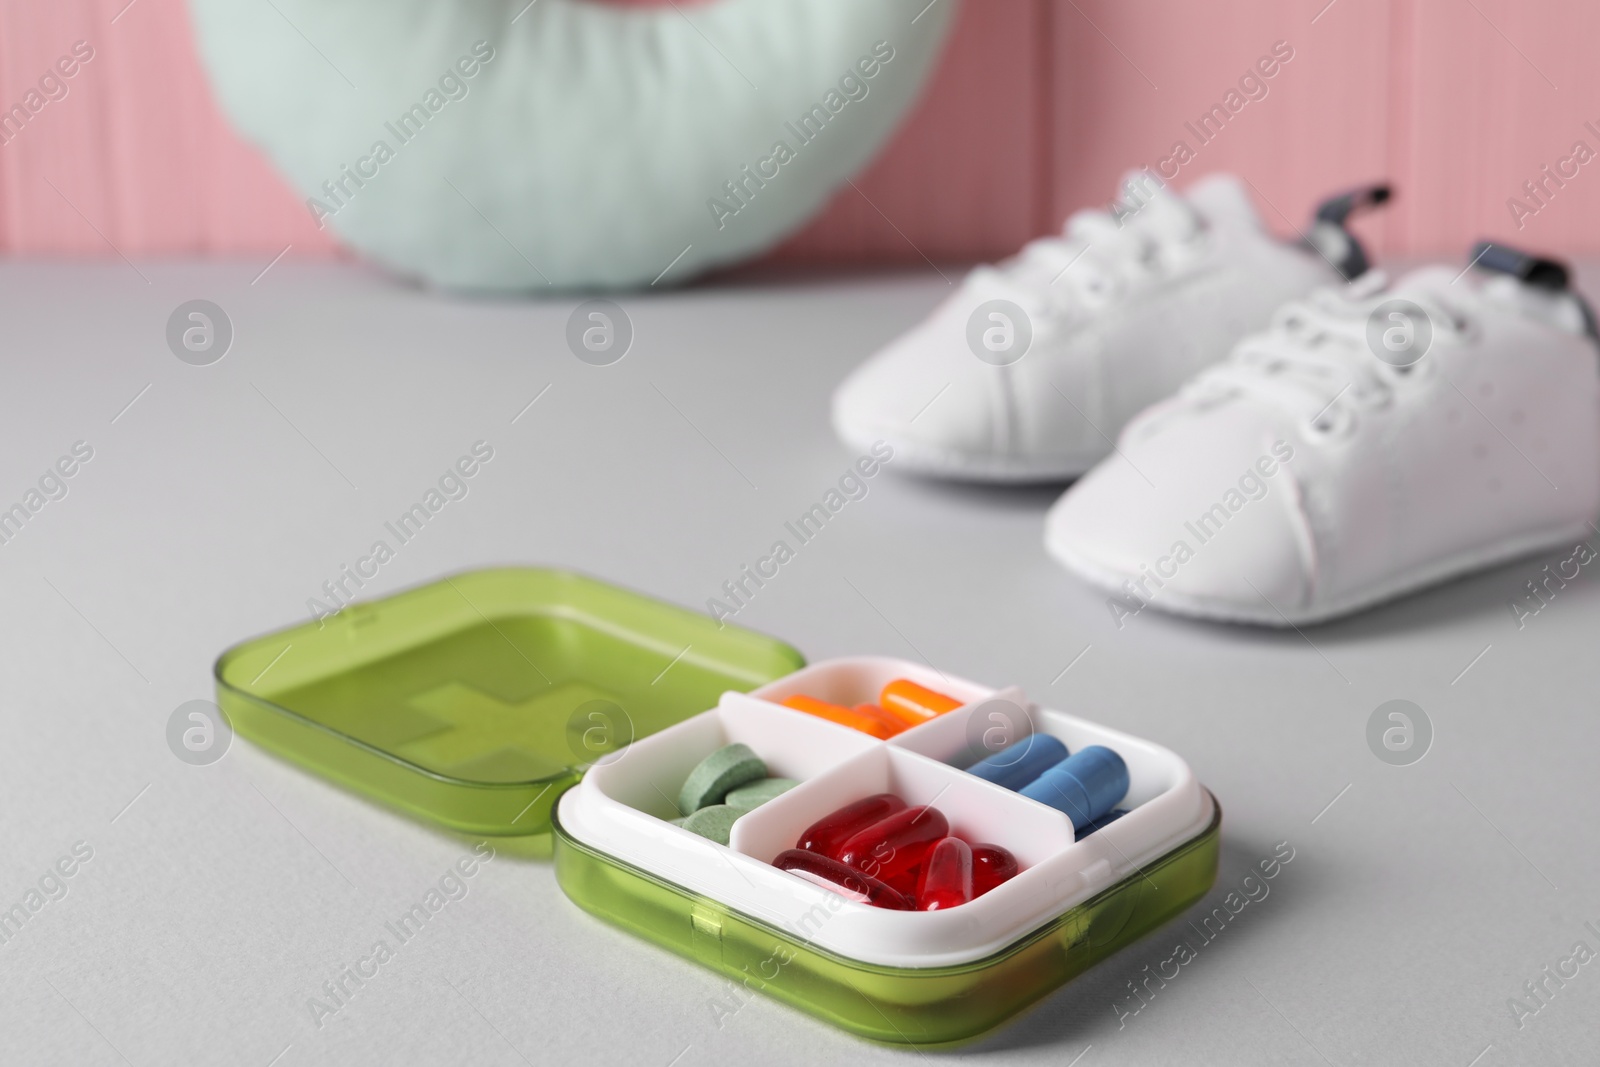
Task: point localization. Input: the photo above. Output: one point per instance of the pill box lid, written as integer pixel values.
(474, 701)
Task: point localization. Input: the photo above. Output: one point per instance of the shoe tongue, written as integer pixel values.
(1433, 278)
(1224, 201)
(1149, 203)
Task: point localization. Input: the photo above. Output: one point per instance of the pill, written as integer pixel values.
(1105, 820)
(864, 887)
(946, 876)
(1084, 786)
(878, 726)
(991, 865)
(752, 796)
(714, 822)
(727, 768)
(906, 881)
(1017, 765)
(828, 834)
(912, 703)
(893, 722)
(895, 844)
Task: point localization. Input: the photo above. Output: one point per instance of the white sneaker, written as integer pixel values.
(1032, 367)
(1374, 441)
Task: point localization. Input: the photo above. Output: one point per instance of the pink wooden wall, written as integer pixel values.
(1037, 109)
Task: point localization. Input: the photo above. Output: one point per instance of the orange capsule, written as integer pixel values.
(878, 726)
(911, 703)
(893, 722)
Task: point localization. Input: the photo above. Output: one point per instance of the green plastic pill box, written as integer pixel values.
(519, 702)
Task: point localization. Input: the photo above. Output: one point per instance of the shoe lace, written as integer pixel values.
(1097, 253)
(1316, 360)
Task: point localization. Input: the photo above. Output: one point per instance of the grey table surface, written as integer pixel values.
(219, 899)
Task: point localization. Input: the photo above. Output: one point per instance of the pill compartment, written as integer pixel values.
(646, 778)
(860, 679)
(894, 976)
(978, 812)
(964, 736)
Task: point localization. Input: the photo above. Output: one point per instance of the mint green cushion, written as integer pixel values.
(590, 147)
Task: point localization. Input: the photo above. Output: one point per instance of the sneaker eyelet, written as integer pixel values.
(1339, 423)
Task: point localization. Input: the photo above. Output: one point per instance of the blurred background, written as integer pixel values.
(1036, 109)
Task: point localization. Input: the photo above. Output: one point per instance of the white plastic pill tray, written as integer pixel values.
(622, 806)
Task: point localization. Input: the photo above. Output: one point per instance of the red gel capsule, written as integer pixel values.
(906, 881)
(876, 892)
(991, 865)
(828, 834)
(895, 845)
(946, 876)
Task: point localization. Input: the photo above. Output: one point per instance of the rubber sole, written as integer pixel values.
(1279, 617)
(962, 467)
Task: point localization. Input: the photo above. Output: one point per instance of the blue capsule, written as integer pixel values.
(1099, 824)
(1084, 786)
(1018, 764)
